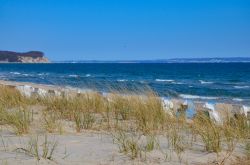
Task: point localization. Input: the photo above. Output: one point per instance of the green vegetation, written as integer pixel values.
(134, 120)
(19, 119)
(44, 150)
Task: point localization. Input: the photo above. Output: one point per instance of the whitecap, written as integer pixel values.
(164, 80)
(17, 73)
(237, 99)
(178, 83)
(241, 87)
(189, 96)
(42, 74)
(73, 75)
(206, 82)
(88, 75)
(186, 96)
(208, 97)
(122, 80)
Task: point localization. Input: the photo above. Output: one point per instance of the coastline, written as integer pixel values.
(44, 90)
(166, 79)
(88, 131)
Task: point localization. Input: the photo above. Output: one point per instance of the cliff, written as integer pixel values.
(27, 57)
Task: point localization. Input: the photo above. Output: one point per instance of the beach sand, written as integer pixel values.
(92, 148)
(95, 146)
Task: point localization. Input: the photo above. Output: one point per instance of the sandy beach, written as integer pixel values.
(108, 82)
(51, 139)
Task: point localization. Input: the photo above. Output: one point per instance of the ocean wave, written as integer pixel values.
(122, 80)
(237, 99)
(206, 82)
(164, 80)
(76, 76)
(16, 73)
(178, 83)
(169, 81)
(42, 74)
(241, 87)
(73, 75)
(142, 82)
(186, 96)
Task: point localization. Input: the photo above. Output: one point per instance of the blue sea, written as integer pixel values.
(197, 81)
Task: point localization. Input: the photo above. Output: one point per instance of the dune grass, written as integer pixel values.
(133, 144)
(19, 119)
(208, 131)
(37, 149)
(79, 109)
(10, 97)
(129, 116)
(52, 122)
(128, 145)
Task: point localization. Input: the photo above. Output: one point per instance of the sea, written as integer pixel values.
(222, 82)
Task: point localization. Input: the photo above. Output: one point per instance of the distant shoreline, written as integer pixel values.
(156, 61)
(56, 62)
(176, 60)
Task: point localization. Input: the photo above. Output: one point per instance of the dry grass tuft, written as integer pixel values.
(10, 97)
(208, 131)
(19, 119)
(38, 150)
(52, 122)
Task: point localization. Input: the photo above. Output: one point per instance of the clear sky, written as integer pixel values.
(126, 29)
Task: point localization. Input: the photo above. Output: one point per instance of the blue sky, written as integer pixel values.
(126, 29)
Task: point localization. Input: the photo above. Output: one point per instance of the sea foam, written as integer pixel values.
(122, 80)
(186, 96)
(73, 75)
(16, 73)
(238, 99)
(206, 82)
(241, 87)
(164, 80)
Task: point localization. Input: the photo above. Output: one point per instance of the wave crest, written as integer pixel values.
(164, 80)
(206, 82)
(186, 96)
(241, 87)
